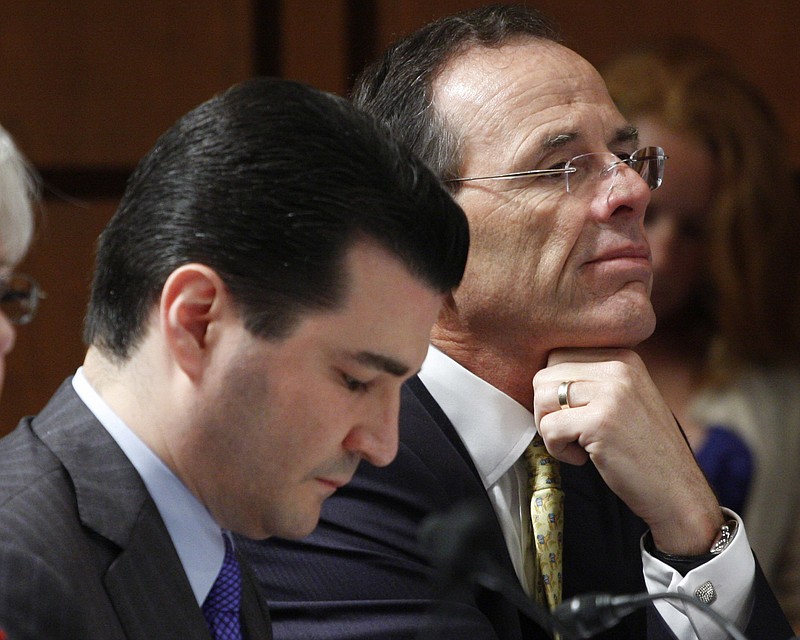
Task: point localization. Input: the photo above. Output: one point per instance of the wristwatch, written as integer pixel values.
(724, 537)
(684, 564)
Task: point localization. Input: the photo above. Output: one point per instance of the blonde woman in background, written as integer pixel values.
(724, 231)
(19, 294)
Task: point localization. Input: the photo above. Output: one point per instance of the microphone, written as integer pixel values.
(454, 542)
(586, 615)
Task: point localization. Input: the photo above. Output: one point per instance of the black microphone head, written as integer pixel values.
(456, 543)
(455, 540)
(586, 615)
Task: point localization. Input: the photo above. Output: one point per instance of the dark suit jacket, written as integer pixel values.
(84, 552)
(361, 574)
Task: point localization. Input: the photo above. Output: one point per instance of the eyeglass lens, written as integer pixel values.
(19, 298)
(592, 167)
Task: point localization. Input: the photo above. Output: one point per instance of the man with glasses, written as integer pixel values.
(536, 339)
(19, 297)
(19, 294)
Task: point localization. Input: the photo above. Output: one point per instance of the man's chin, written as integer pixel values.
(625, 323)
(642, 320)
(299, 525)
(639, 329)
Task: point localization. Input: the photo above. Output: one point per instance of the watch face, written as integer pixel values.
(726, 533)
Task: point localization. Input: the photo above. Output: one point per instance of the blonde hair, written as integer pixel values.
(18, 189)
(754, 256)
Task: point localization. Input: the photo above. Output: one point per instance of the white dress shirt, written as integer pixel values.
(496, 430)
(196, 536)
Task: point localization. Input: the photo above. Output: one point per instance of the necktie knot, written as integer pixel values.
(222, 604)
(544, 471)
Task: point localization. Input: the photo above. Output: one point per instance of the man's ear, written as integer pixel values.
(193, 297)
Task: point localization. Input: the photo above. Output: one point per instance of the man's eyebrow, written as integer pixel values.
(628, 133)
(559, 140)
(383, 363)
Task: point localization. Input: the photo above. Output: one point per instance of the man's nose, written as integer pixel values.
(626, 188)
(376, 438)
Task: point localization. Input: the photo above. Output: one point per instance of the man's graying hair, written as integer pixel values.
(397, 88)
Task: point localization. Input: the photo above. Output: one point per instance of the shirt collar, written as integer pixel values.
(495, 428)
(196, 536)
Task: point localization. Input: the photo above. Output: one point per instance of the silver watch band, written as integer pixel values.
(725, 536)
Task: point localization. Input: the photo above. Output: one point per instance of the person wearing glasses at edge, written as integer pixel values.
(19, 294)
(555, 186)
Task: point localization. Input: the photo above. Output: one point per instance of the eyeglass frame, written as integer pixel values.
(31, 297)
(653, 152)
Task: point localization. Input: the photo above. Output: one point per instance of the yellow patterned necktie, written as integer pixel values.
(547, 520)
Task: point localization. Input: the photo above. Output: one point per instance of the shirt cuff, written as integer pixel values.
(729, 576)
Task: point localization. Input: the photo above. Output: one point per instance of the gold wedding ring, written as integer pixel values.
(563, 394)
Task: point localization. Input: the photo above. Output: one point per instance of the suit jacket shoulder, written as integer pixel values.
(76, 520)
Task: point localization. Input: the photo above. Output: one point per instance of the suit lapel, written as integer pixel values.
(149, 587)
(420, 417)
(256, 623)
(145, 580)
(449, 457)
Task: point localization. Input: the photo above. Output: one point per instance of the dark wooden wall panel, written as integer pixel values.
(93, 82)
(50, 348)
(315, 37)
(88, 85)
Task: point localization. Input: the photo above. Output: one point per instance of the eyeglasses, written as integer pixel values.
(19, 297)
(584, 171)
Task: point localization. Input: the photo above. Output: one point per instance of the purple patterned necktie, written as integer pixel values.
(222, 604)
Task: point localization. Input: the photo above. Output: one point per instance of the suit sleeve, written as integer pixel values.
(741, 594)
(37, 601)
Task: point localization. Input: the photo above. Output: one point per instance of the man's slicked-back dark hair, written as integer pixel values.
(269, 184)
(397, 88)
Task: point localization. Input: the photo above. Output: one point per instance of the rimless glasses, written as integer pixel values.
(588, 169)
